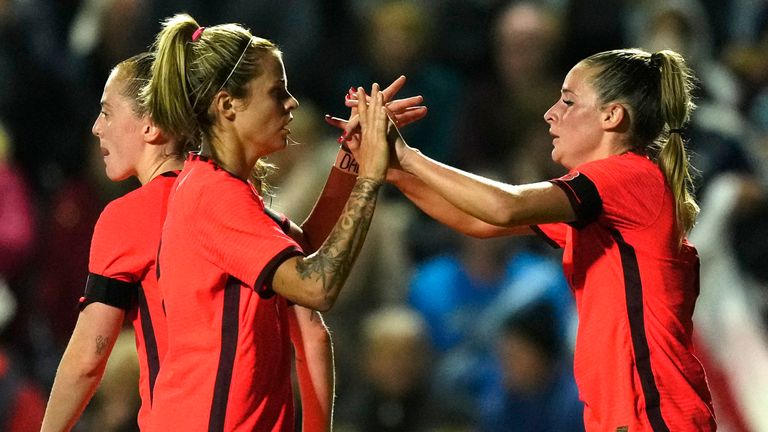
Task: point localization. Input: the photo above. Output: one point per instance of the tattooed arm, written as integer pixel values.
(315, 281)
(82, 365)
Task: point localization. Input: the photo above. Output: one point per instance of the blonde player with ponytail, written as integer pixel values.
(231, 271)
(621, 214)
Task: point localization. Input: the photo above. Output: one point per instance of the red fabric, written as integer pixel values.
(229, 357)
(635, 230)
(124, 247)
(27, 411)
(26, 403)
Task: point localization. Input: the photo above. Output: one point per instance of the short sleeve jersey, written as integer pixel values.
(635, 290)
(122, 272)
(229, 355)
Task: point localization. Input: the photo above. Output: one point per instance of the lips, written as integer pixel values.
(104, 152)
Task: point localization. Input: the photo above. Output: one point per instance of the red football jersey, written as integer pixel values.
(123, 273)
(229, 355)
(635, 290)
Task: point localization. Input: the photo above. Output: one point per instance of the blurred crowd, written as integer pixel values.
(434, 331)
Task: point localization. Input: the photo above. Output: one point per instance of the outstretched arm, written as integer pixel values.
(490, 201)
(421, 194)
(446, 213)
(82, 365)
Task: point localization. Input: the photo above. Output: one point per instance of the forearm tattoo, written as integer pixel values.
(333, 261)
(101, 344)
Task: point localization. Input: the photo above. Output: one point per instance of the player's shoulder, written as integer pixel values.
(624, 168)
(119, 208)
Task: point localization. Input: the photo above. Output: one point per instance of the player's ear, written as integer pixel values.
(613, 116)
(152, 133)
(224, 105)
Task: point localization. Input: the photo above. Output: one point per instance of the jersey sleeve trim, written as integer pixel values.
(263, 284)
(539, 232)
(283, 222)
(109, 291)
(584, 198)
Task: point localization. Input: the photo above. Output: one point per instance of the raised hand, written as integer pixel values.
(373, 152)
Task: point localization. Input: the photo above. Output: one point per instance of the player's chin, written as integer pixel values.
(116, 175)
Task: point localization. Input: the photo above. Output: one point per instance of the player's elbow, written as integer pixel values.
(85, 368)
(322, 301)
(314, 295)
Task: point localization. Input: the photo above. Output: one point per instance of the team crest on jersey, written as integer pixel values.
(570, 176)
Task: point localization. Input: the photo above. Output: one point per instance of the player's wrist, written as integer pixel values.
(405, 161)
(345, 161)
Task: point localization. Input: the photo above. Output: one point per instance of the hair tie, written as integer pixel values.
(676, 130)
(655, 60)
(196, 35)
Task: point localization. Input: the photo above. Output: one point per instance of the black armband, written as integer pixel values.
(112, 292)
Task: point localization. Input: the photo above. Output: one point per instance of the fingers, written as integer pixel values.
(351, 126)
(372, 112)
(393, 88)
(405, 103)
(402, 111)
(362, 109)
(336, 122)
(409, 116)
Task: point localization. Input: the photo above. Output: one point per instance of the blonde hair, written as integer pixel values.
(657, 89)
(187, 74)
(134, 74)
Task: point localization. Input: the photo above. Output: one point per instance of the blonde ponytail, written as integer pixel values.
(676, 109)
(168, 94)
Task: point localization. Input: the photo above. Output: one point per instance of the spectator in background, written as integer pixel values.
(464, 294)
(394, 394)
(534, 389)
(453, 289)
(398, 42)
(502, 135)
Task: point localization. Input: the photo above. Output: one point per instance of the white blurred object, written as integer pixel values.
(7, 304)
(727, 315)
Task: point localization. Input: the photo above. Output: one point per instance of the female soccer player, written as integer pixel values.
(222, 259)
(122, 270)
(621, 214)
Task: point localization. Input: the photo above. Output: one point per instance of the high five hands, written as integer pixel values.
(400, 112)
